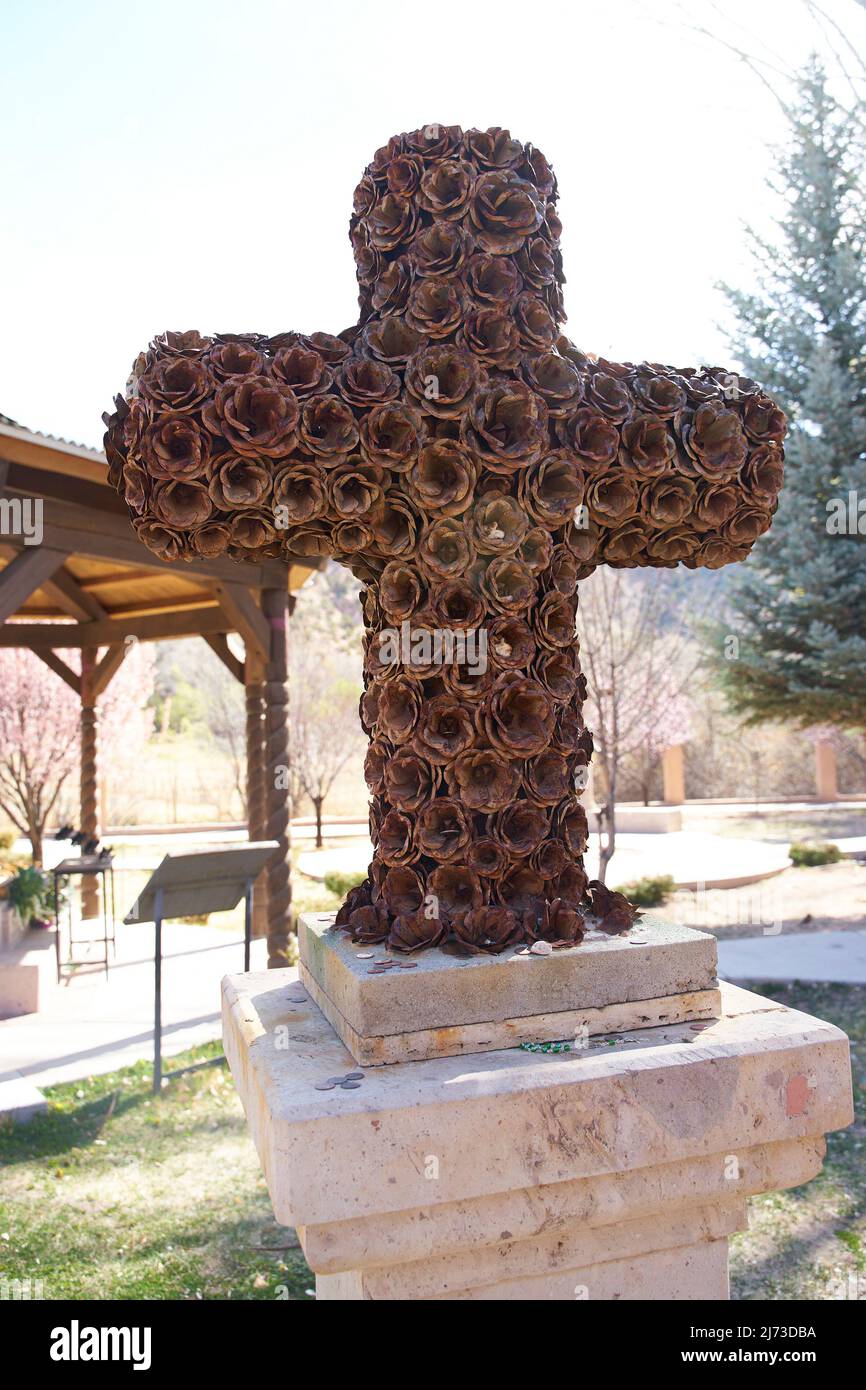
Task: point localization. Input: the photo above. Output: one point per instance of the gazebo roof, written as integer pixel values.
(91, 568)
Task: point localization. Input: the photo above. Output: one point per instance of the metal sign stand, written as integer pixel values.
(186, 885)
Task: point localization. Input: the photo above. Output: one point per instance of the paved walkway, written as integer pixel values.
(90, 1025)
(826, 957)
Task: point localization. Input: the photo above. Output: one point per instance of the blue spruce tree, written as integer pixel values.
(799, 603)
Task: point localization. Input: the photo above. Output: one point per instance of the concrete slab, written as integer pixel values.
(655, 960)
(20, 1100)
(570, 1025)
(27, 974)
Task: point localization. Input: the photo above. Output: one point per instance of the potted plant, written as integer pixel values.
(29, 892)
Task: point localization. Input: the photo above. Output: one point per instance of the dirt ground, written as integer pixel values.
(830, 897)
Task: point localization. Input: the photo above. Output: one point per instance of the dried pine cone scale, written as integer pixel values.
(471, 466)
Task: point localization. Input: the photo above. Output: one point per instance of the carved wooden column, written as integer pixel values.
(276, 767)
(254, 684)
(89, 776)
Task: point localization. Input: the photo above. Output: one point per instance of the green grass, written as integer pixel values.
(117, 1193)
(810, 1242)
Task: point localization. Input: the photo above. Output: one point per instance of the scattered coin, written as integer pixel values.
(349, 1085)
(541, 948)
(354, 1076)
(363, 955)
(408, 965)
(336, 1080)
(325, 1085)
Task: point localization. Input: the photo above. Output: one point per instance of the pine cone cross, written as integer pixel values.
(470, 465)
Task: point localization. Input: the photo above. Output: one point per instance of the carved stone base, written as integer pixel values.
(438, 1005)
(611, 1173)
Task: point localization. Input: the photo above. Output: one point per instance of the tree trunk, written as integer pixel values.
(608, 823)
(318, 802)
(35, 831)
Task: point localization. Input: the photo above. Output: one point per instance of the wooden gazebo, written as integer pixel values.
(91, 584)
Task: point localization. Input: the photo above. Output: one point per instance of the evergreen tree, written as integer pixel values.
(799, 602)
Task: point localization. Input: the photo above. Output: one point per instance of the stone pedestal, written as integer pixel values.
(617, 1170)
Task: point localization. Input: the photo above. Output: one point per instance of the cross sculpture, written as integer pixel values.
(470, 466)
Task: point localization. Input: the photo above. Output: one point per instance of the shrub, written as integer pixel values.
(649, 892)
(341, 883)
(29, 892)
(7, 839)
(808, 855)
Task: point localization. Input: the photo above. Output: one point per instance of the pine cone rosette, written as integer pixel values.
(485, 930)
(483, 780)
(559, 924)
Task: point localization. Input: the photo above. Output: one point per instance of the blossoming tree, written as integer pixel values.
(40, 731)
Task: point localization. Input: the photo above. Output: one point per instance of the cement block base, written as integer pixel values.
(438, 1005)
(613, 1172)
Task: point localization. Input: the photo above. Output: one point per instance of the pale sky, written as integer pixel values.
(190, 163)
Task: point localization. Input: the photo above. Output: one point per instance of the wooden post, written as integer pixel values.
(673, 776)
(254, 683)
(276, 763)
(826, 784)
(89, 777)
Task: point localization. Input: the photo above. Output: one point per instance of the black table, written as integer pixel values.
(85, 865)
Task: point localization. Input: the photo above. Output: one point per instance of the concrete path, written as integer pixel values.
(690, 857)
(90, 1025)
(828, 957)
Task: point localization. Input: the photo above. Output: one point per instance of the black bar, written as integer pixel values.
(248, 922)
(193, 1066)
(157, 993)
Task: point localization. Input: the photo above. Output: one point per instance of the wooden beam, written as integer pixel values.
(24, 575)
(80, 530)
(88, 814)
(108, 632)
(59, 667)
(246, 617)
(181, 604)
(219, 645)
(55, 455)
(73, 598)
(106, 668)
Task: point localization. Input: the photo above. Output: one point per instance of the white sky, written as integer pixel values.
(190, 163)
